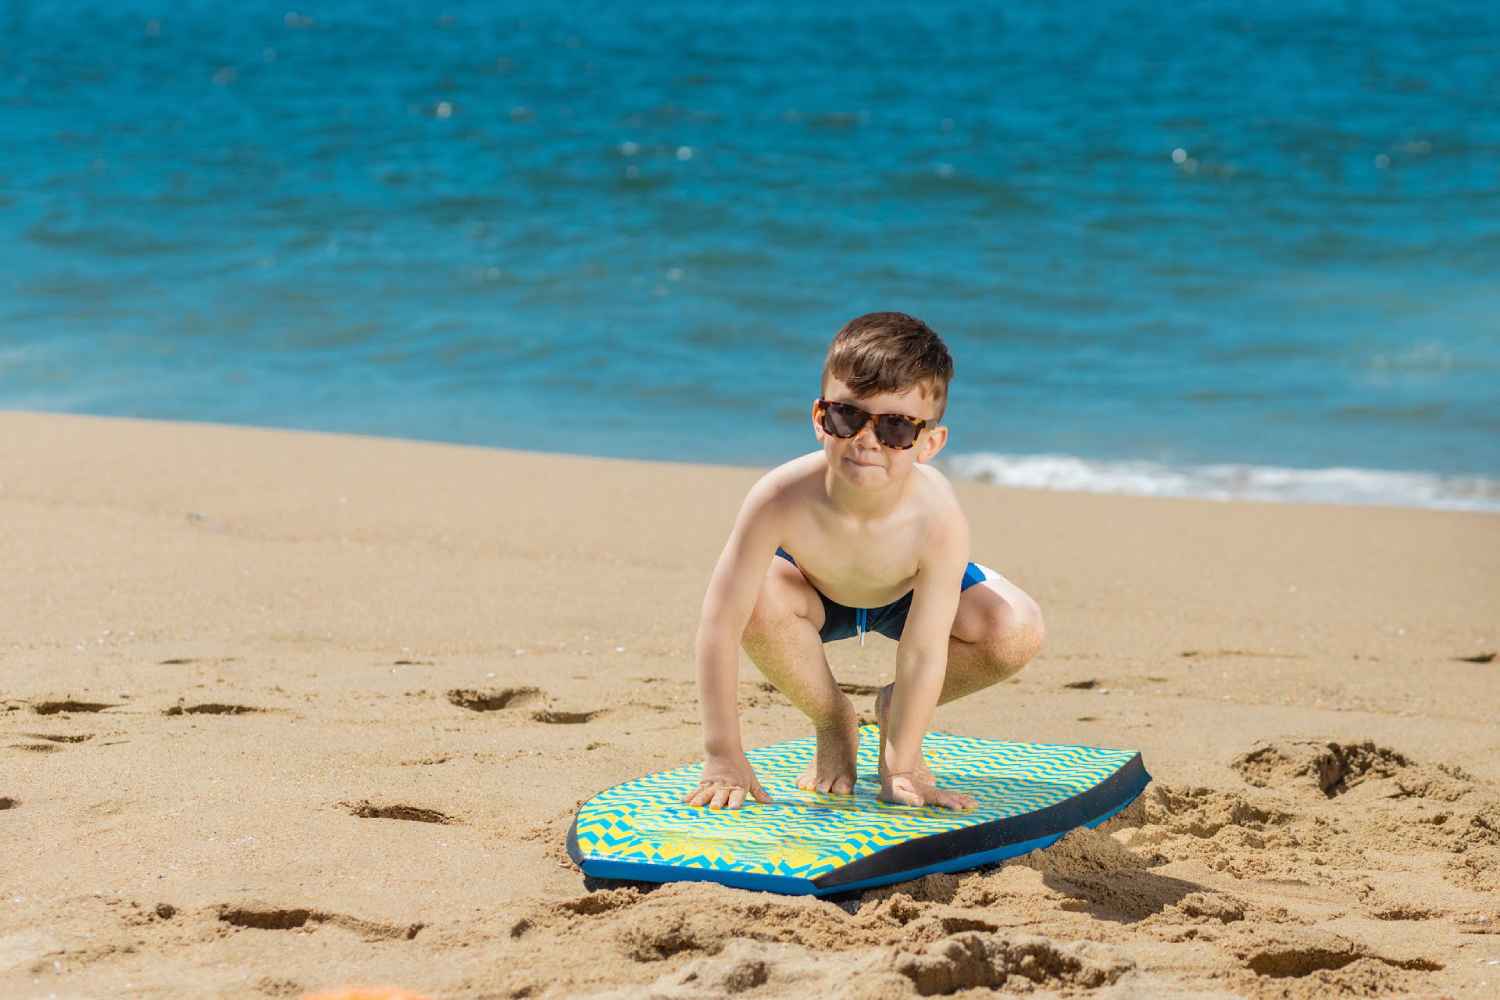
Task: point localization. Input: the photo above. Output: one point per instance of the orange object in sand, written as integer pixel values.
(365, 993)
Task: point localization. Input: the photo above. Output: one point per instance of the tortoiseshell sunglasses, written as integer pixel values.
(894, 430)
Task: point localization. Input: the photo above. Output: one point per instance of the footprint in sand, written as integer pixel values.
(848, 687)
(494, 699)
(497, 699)
(214, 708)
(1405, 911)
(440, 758)
(1307, 952)
(270, 918)
(60, 738)
(67, 706)
(556, 717)
(366, 809)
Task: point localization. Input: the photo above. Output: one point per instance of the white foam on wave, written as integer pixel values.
(1230, 482)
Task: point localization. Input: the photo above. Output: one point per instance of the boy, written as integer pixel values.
(862, 535)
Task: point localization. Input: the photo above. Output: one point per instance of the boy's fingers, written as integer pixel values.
(717, 796)
(904, 794)
(701, 795)
(962, 801)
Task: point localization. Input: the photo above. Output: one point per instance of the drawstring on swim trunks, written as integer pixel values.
(859, 623)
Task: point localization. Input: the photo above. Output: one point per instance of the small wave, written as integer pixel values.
(1230, 482)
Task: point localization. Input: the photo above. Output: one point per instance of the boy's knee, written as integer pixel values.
(1014, 634)
(770, 616)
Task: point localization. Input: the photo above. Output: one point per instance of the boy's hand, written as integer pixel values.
(725, 783)
(913, 790)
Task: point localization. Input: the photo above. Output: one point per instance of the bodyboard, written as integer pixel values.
(1029, 795)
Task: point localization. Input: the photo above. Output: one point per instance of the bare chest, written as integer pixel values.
(857, 567)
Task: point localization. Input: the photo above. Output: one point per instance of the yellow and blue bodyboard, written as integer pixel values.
(1029, 795)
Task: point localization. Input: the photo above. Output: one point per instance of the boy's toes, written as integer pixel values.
(842, 785)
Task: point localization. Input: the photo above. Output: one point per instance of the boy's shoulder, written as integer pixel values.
(802, 469)
(788, 482)
(935, 496)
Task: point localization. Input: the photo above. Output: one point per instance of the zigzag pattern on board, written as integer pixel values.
(806, 834)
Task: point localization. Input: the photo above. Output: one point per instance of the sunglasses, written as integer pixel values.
(844, 420)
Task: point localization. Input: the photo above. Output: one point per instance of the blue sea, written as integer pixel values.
(1207, 248)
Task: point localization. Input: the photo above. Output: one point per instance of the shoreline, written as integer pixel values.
(228, 649)
(1219, 482)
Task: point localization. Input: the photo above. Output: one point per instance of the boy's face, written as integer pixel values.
(862, 459)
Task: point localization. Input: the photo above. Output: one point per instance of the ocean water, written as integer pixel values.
(1216, 249)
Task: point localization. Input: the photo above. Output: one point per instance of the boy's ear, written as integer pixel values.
(936, 438)
(817, 427)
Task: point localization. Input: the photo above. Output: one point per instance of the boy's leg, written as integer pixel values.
(782, 639)
(997, 630)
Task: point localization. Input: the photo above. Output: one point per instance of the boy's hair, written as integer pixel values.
(890, 352)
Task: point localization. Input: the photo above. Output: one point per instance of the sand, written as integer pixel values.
(283, 712)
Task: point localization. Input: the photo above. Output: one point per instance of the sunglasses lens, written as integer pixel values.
(895, 432)
(842, 420)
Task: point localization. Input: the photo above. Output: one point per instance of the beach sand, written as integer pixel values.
(242, 751)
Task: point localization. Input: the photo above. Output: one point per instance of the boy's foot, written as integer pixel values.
(833, 768)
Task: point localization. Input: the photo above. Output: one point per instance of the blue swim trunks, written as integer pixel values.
(840, 622)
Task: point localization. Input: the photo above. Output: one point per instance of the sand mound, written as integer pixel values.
(743, 966)
(1204, 812)
(927, 889)
(1335, 768)
(1209, 907)
(1477, 869)
(1235, 833)
(989, 961)
(1099, 875)
(1085, 852)
(1386, 801)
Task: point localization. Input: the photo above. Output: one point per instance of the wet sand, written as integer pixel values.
(281, 712)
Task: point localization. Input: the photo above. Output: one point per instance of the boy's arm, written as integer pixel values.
(727, 604)
(922, 657)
